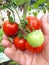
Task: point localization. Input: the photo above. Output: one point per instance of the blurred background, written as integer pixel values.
(35, 8)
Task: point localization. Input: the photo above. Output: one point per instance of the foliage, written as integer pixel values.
(13, 63)
(1, 49)
(9, 63)
(27, 5)
(1, 34)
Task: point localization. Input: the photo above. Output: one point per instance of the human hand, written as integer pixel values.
(26, 57)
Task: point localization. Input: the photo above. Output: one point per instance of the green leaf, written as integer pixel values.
(41, 1)
(48, 9)
(35, 14)
(2, 7)
(13, 63)
(1, 34)
(18, 2)
(44, 10)
(8, 1)
(29, 8)
(35, 5)
(1, 49)
(48, 3)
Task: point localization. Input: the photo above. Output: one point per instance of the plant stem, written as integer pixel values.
(7, 6)
(12, 12)
(25, 8)
(18, 14)
(16, 11)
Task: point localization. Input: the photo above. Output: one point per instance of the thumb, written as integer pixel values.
(45, 23)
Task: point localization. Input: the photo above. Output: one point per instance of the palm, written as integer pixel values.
(26, 57)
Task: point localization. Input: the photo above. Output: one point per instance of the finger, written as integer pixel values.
(29, 57)
(6, 43)
(45, 24)
(46, 48)
(17, 56)
(4, 36)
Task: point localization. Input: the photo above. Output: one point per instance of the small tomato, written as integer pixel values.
(33, 23)
(10, 29)
(19, 43)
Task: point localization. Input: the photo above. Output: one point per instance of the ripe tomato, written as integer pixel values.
(34, 50)
(19, 43)
(10, 28)
(33, 23)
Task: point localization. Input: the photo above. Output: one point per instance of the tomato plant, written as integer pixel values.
(33, 23)
(19, 43)
(9, 28)
(34, 50)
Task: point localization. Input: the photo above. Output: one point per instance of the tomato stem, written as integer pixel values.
(18, 14)
(11, 39)
(25, 8)
(13, 14)
(16, 11)
(7, 6)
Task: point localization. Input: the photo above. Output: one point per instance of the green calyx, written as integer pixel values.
(35, 38)
(11, 19)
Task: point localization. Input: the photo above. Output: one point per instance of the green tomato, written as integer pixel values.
(35, 38)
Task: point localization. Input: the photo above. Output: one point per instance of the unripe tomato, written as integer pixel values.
(35, 38)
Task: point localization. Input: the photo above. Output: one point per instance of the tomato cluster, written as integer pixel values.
(32, 41)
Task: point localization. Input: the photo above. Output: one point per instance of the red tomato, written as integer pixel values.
(10, 28)
(33, 23)
(19, 43)
(34, 50)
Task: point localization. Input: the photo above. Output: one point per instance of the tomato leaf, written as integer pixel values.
(41, 1)
(1, 49)
(35, 14)
(1, 34)
(18, 2)
(35, 5)
(48, 3)
(13, 63)
(44, 9)
(29, 8)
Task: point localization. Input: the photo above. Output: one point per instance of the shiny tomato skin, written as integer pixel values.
(34, 50)
(10, 29)
(19, 43)
(33, 23)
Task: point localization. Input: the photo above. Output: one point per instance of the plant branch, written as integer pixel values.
(12, 12)
(25, 8)
(18, 15)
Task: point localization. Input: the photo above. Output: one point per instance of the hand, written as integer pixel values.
(26, 57)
